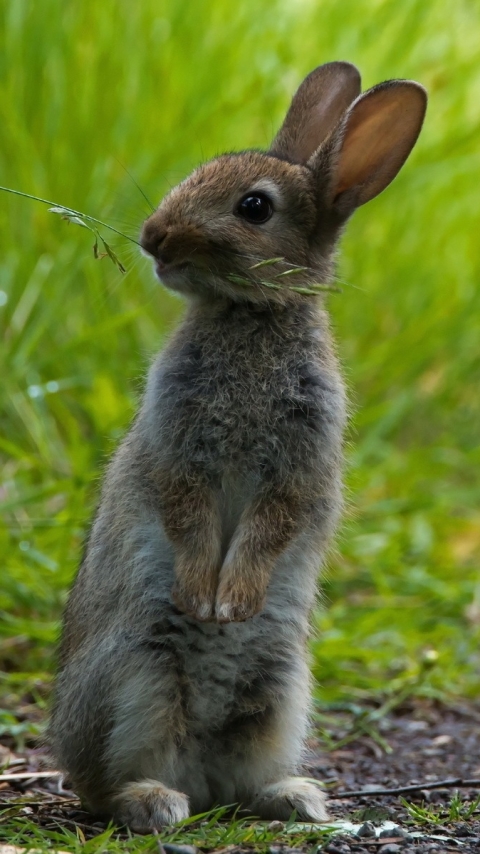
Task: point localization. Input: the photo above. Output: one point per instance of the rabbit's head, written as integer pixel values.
(243, 224)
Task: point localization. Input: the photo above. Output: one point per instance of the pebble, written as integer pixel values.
(276, 826)
(170, 848)
(390, 848)
(435, 796)
(462, 829)
(394, 831)
(367, 829)
(337, 848)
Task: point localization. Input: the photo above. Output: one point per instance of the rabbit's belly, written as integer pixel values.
(232, 675)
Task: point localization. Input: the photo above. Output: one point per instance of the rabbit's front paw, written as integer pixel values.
(194, 601)
(237, 600)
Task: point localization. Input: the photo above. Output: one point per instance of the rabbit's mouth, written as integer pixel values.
(165, 270)
(176, 275)
(184, 274)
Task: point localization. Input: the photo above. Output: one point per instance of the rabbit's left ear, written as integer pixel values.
(372, 142)
(316, 108)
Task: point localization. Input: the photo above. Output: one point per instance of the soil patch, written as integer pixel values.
(422, 743)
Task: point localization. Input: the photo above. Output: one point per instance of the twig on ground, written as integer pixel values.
(458, 782)
(24, 801)
(28, 775)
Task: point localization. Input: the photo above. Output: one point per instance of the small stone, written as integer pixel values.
(337, 848)
(435, 796)
(394, 831)
(442, 739)
(276, 826)
(462, 829)
(170, 848)
(367, 829)
(390, 848)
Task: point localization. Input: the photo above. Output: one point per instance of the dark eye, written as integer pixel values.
(256, 207)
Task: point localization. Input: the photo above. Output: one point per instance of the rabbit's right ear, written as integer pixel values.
(372, 142)
(316, 109)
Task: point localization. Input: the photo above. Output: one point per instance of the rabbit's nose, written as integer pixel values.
(151, 239)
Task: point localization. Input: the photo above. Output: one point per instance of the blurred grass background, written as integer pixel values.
(89, 88)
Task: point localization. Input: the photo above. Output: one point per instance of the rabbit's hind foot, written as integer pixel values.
(147, 805)
(300, 794)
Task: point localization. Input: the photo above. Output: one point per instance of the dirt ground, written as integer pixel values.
(427, 743)
(422, 743)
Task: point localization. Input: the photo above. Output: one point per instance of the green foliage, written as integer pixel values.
(159, 86)
(206, 831)
(456, 810)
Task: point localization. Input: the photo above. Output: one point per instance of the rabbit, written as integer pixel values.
(183, 671)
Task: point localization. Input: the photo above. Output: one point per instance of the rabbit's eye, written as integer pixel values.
(256, 207)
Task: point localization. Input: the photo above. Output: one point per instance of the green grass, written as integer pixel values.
(86, 88)
(456, 810)
(208, 831)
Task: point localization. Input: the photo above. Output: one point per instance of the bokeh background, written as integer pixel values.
(91, 89)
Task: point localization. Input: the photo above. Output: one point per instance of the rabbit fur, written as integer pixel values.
(183, 679)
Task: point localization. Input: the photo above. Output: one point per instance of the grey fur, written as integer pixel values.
(163, 710)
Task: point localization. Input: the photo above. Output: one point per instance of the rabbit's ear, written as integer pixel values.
(316, 109)
(374, 140)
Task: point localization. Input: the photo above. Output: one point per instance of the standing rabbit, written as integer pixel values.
(183, 678)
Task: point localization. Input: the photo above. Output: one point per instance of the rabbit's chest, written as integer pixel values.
(243, 405)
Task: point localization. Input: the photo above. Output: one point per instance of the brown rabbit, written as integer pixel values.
(184, 680)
